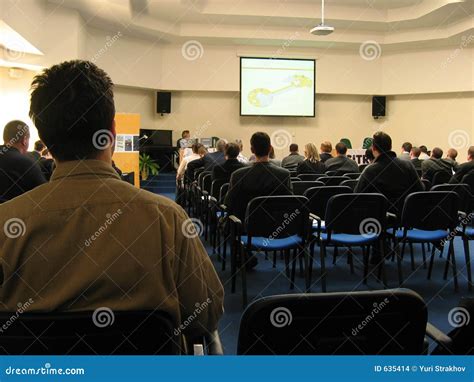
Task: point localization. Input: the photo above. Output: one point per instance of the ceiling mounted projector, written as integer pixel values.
(322, 29)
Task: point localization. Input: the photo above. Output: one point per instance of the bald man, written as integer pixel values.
(18, 172)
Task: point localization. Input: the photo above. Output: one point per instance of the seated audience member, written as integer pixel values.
(291, 161)
(183, 145)
(312, 163)
(37, 150)
(369, 154)
(341, 163)
(185, 161)
(450, 159)
(391, 176)
(225, 170)
(19, 173)
(464, 168)
(141, 261)
(406, 149)
(217, 157)
(415, 158)
(46, 163)
(431, 166)
(326, 149)
(259, 179)
(241, 158)
(273, 159)
(425, 155)
(195, 164)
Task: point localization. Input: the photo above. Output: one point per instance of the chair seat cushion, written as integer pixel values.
(469, 231)
(349, 239)
(268, 244)
(422, 236)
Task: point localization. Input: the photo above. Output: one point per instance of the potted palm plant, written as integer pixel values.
(147, 166)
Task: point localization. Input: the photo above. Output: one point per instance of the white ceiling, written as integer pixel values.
(396, 24)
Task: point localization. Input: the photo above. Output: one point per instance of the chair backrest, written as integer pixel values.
(363, 166)
(223, 192)
(352, 175)
(331, 173)
(469, 179)
(462, 190)
(333, 180)
(309, 177)
(277, 217)
(382, 322)
(198, 172)
(295, 179)
(216, 187)
(431, 210)
(356, 214)
(100, 332)
(319, 196)
(300, 187)
(200, 177)
(426, 184)
(352, 183)
(441, 177)
(128, 177)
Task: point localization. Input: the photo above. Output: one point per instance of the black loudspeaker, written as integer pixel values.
(378, 106)
(163, 102)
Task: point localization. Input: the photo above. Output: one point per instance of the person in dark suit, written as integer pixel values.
(450, 159)
(341, 164)
(292, 161)
(216, 158)
(393, 177)
(259, 179)
(312, 163)
(415, 158)
(46, 163)
(406, 149)
(464, 168)
(19, 173)
(326, 148)
(431, 166)
(37, 150)
(225, 170)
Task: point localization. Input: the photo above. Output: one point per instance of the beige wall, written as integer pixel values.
(423, 119)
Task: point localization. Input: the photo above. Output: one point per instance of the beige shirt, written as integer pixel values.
(87, 240)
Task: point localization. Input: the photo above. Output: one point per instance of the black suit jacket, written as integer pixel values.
(18, 173)
(416, 162)
(258, 179)
(225, 170)
(325, 156)
(212, 159)
(307, 167)
(431, 166)
(342, 165)
(463, 169)
(393, 177)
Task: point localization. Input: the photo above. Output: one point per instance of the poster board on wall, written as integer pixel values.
(127, 127)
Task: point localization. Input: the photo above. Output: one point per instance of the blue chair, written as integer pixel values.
(353, 220)
(430, 217)
(272, 223)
